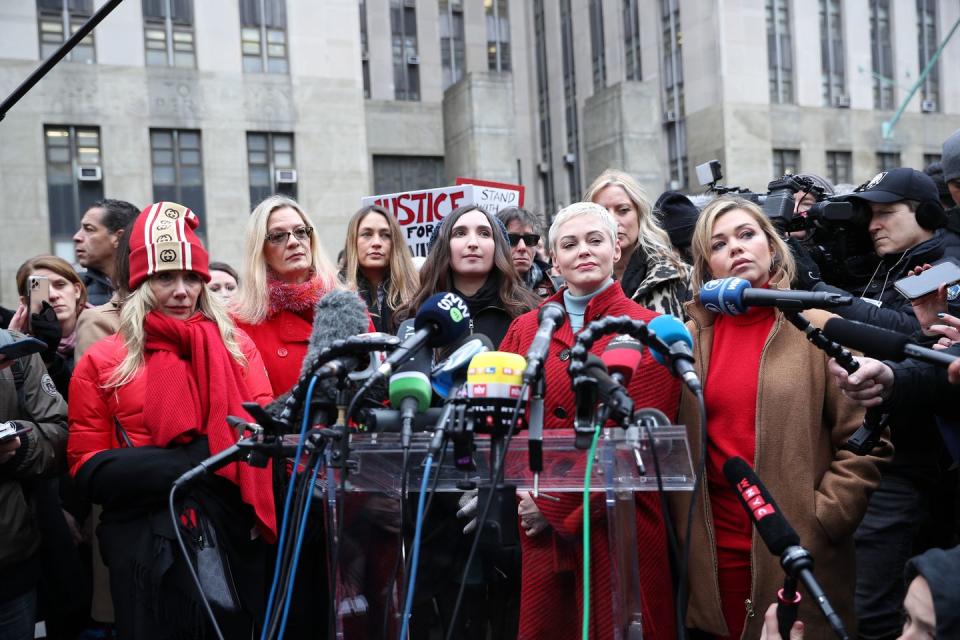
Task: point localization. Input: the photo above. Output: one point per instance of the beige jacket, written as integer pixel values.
(97, 323)
(802, 421)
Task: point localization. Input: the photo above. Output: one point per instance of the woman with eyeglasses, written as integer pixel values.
(651, 273)
(524, 231)
(377, 264)
(285, 272)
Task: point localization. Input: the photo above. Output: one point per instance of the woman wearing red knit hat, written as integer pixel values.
(150, 403)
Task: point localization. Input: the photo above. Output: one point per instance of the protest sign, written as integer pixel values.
(494, 196)
(418, 212)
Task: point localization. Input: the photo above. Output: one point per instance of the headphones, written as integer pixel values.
(930, 215)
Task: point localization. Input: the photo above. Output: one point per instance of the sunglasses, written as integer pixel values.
(280, 237)
(529, 239)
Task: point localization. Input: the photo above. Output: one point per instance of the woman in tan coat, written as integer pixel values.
(769, 400)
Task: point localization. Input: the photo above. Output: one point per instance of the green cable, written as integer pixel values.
(585, 628)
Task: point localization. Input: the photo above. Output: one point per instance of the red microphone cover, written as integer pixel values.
(622, 356)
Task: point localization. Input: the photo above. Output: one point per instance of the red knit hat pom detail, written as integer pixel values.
(163, 238)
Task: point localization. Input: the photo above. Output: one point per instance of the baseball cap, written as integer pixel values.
(898, 184)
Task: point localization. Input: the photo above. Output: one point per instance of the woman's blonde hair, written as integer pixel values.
(652, 238)
(133, 314)
(579, 209)
(404, 278)
(254, 298)
(782, 266)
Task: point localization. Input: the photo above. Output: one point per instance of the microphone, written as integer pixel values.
(494, 381)
(777, 534)
(452, 372)
(621, 357)
(442, 318)
(732, 297)
(612, 393)
(215, 462)
(338, 315)
(551, 317)
(680, 358)
(882, 344)
(409, 387)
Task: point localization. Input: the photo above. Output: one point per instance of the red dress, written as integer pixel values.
(551, 601)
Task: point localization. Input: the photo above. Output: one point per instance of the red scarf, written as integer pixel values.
(298, 297)
(192, 384)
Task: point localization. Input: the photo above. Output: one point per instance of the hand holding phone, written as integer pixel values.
(11, 430)
(38, 292)
(944, 272)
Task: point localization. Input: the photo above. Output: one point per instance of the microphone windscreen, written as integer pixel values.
(622, 355)
(410, 384)
(724, 296)
(772, 526)
(554, 311)
(669, 329)
(448, 314)
(872, 341)
(453, 371)
(495, 375)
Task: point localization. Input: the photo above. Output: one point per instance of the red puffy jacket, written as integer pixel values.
(551, 585)
(93, 406)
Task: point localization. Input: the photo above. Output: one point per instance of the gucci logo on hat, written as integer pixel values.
(164, 237)
(173, 214)
(163, 224)
(168, 255)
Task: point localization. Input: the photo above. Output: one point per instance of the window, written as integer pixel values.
(831, 54)
(406, 61)
(393, 174)
(674, 107)
(571, 158)
(263, 36)
(888, 160)
(928, 44)
(364, 49)
(60, 19)
(840, 167)
(271, 166)
(598, 54)
(631, 39)
(498, 35)
(168, 33)
(882, 52)
(930, 158)
(779, 51)
(543, 111)
(177, 167)
(452, 50)
(74, 181)
(785, 161)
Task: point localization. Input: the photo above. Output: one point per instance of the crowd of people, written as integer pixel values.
(148, 345)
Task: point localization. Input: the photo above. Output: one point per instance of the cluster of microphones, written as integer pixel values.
(391, 383)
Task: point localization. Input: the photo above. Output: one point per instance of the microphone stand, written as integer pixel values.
(535, 431)
(875, 421)
(788, 599)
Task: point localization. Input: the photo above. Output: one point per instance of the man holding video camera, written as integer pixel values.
(33, 440)
(905, 223)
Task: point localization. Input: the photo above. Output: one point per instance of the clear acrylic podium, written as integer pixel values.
(370, 578)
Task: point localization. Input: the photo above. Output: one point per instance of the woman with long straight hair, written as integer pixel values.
(651, 273)
(470, 255)
(149, 404)
(378, 264)
(770, 401)
(285, 272)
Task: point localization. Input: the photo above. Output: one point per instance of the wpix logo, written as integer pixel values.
(455, 305)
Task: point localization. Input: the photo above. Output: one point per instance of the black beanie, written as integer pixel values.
(678, 216)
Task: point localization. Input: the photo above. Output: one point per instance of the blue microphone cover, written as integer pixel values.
(669, 329)
(724, 296)
(448, 313)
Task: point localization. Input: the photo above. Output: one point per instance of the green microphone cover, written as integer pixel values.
(411, 384)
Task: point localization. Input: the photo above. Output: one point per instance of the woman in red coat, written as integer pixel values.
(584, 248)
(147, 405)
(285, 273)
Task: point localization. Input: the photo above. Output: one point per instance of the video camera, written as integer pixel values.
(836, 231)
